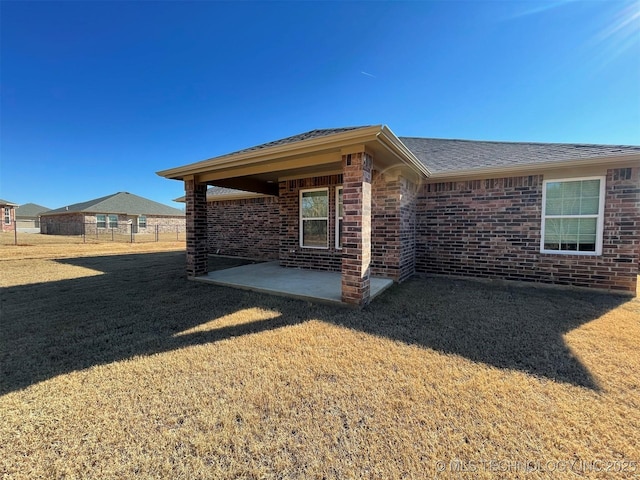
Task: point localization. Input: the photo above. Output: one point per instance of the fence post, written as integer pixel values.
(15, 227)
(84, 233)
(177, 233)
(157, 232)
(131, 225)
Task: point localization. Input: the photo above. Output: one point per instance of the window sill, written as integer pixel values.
(571, 253)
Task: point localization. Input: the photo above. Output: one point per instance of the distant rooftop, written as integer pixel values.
(121, 202)
(30, 210)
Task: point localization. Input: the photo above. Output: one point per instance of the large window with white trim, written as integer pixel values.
(314, 218)
(339, 213)
(572, 216)
(101, 220)
(113, 221)
(7, 215)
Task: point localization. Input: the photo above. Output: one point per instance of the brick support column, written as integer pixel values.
(196, 196)
(356, 233)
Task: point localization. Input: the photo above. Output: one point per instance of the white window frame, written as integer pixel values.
(145, 221)
(301, 220)
(109, 222)
(338, 217)
(98, 222)
(599, 217)
(7, 215)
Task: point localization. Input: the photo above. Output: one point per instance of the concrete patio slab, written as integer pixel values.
(270, 277)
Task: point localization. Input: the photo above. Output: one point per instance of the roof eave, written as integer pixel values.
(393, 143)
(336, 140)
(505, 170)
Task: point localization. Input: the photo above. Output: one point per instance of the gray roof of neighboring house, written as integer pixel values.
(30, 210)
(121, 202)
(441, 155)
(7, 202)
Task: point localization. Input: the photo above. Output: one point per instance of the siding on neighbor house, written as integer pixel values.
(491, 228)
(244, 228)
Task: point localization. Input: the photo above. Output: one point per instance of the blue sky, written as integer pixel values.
(98, 96)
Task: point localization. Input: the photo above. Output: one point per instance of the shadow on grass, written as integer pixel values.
(142, 301)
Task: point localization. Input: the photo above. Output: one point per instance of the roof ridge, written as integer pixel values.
(514, 142)
(120, 202)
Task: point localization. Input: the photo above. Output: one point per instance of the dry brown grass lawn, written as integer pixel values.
(35, 245)
(115, 366)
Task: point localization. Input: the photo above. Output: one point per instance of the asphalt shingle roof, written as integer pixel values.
(441, 155)
(323, 132)
(121, 202)
(222, 191)
(444, 155)
(30, 210)
(6, 202)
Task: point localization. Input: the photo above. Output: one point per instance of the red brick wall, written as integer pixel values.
(245, 228)
(269, 228)
(196, 225)
(291, 253)
(8, 227)
(393, 226)
(357, 231)
(491, 228)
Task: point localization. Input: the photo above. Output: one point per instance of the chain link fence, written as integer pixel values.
(123, 232)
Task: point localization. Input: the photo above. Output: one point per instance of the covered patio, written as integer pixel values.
(303, 284)
(341, 166)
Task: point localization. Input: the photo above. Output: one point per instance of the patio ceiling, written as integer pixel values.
(260, 169)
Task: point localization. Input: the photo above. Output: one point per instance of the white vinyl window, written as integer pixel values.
(113, 221)
(573, 216)
(339, 214)
(142, 221)
(101, 221)
(314, 218)
(7, 215)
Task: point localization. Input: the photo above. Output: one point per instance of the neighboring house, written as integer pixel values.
(365, 202)
(121, 212)
(8, 215)
(28, 217)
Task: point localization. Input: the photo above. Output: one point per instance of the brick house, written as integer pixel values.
(364, 202)
(8, 215)
(119, 212)
(28, 217)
